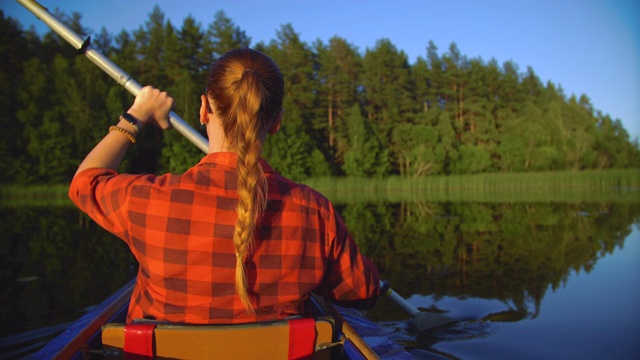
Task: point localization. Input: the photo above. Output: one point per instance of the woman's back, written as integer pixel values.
(180, 228)
(230, 240)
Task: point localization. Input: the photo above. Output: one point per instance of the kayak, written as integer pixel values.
(99, 334)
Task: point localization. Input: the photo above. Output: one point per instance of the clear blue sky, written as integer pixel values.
(588, 47)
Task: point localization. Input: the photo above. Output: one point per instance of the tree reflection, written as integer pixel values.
(508, 252)
(55, 262)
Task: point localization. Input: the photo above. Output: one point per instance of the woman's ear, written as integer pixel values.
(204, 110)
(275, 126)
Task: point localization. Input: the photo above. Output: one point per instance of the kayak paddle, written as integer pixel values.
(424, 321)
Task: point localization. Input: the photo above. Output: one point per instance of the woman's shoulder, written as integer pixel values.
(285, 189)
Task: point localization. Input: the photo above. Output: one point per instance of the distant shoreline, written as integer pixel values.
(564, 186)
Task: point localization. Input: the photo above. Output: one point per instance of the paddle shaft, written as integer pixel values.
(106, 65)
(401, 302)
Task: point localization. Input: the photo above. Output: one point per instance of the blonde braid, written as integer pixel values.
(247, 89)
(251, 180)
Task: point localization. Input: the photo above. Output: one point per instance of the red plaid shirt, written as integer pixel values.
(180, 229)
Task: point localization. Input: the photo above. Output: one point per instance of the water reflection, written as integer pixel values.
(56, 262)
(508, 256)
(510, 252)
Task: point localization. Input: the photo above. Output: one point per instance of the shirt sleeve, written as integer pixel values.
(351, 278)
(102, 194)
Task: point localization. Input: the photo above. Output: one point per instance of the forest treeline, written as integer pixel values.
(347, 112)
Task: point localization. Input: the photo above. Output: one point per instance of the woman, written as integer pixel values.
(230, 240)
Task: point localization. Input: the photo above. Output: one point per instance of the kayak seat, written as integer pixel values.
(300, 338)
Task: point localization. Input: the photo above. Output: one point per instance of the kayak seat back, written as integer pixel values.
(302, 338)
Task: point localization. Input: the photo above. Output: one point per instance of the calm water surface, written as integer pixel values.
(590, 316)
(535, 280)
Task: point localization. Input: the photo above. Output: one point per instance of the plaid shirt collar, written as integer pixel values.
(230, 159)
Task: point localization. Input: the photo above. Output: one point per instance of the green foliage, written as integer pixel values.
(419, 155)
(471, 160)
(13, 57)
(366, 156)
(428, 145)
(178, 154)
(289, 152)
(365, 114)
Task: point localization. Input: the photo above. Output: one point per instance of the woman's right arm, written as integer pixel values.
(352, 279)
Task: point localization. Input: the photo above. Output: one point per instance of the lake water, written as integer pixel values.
(593, 315)
(525, 280)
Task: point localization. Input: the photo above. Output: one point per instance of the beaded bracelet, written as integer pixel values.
(126, 133)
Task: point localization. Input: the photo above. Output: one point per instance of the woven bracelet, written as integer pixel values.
(125, 132)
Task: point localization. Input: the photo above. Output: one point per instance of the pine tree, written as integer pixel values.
(553, 124)
(184, 69)
(511, 99)
(389, 95)
(223, 35)
(435, 78)
(149, 40)
(297, 64)
(15, 50)
(49, 144)
(454, 87)
(195, 57)
(477, 107)
(103, 41)
(420, 75)
(339, 68)
(577, 122)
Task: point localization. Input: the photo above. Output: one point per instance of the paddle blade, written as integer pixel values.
(432, 322)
